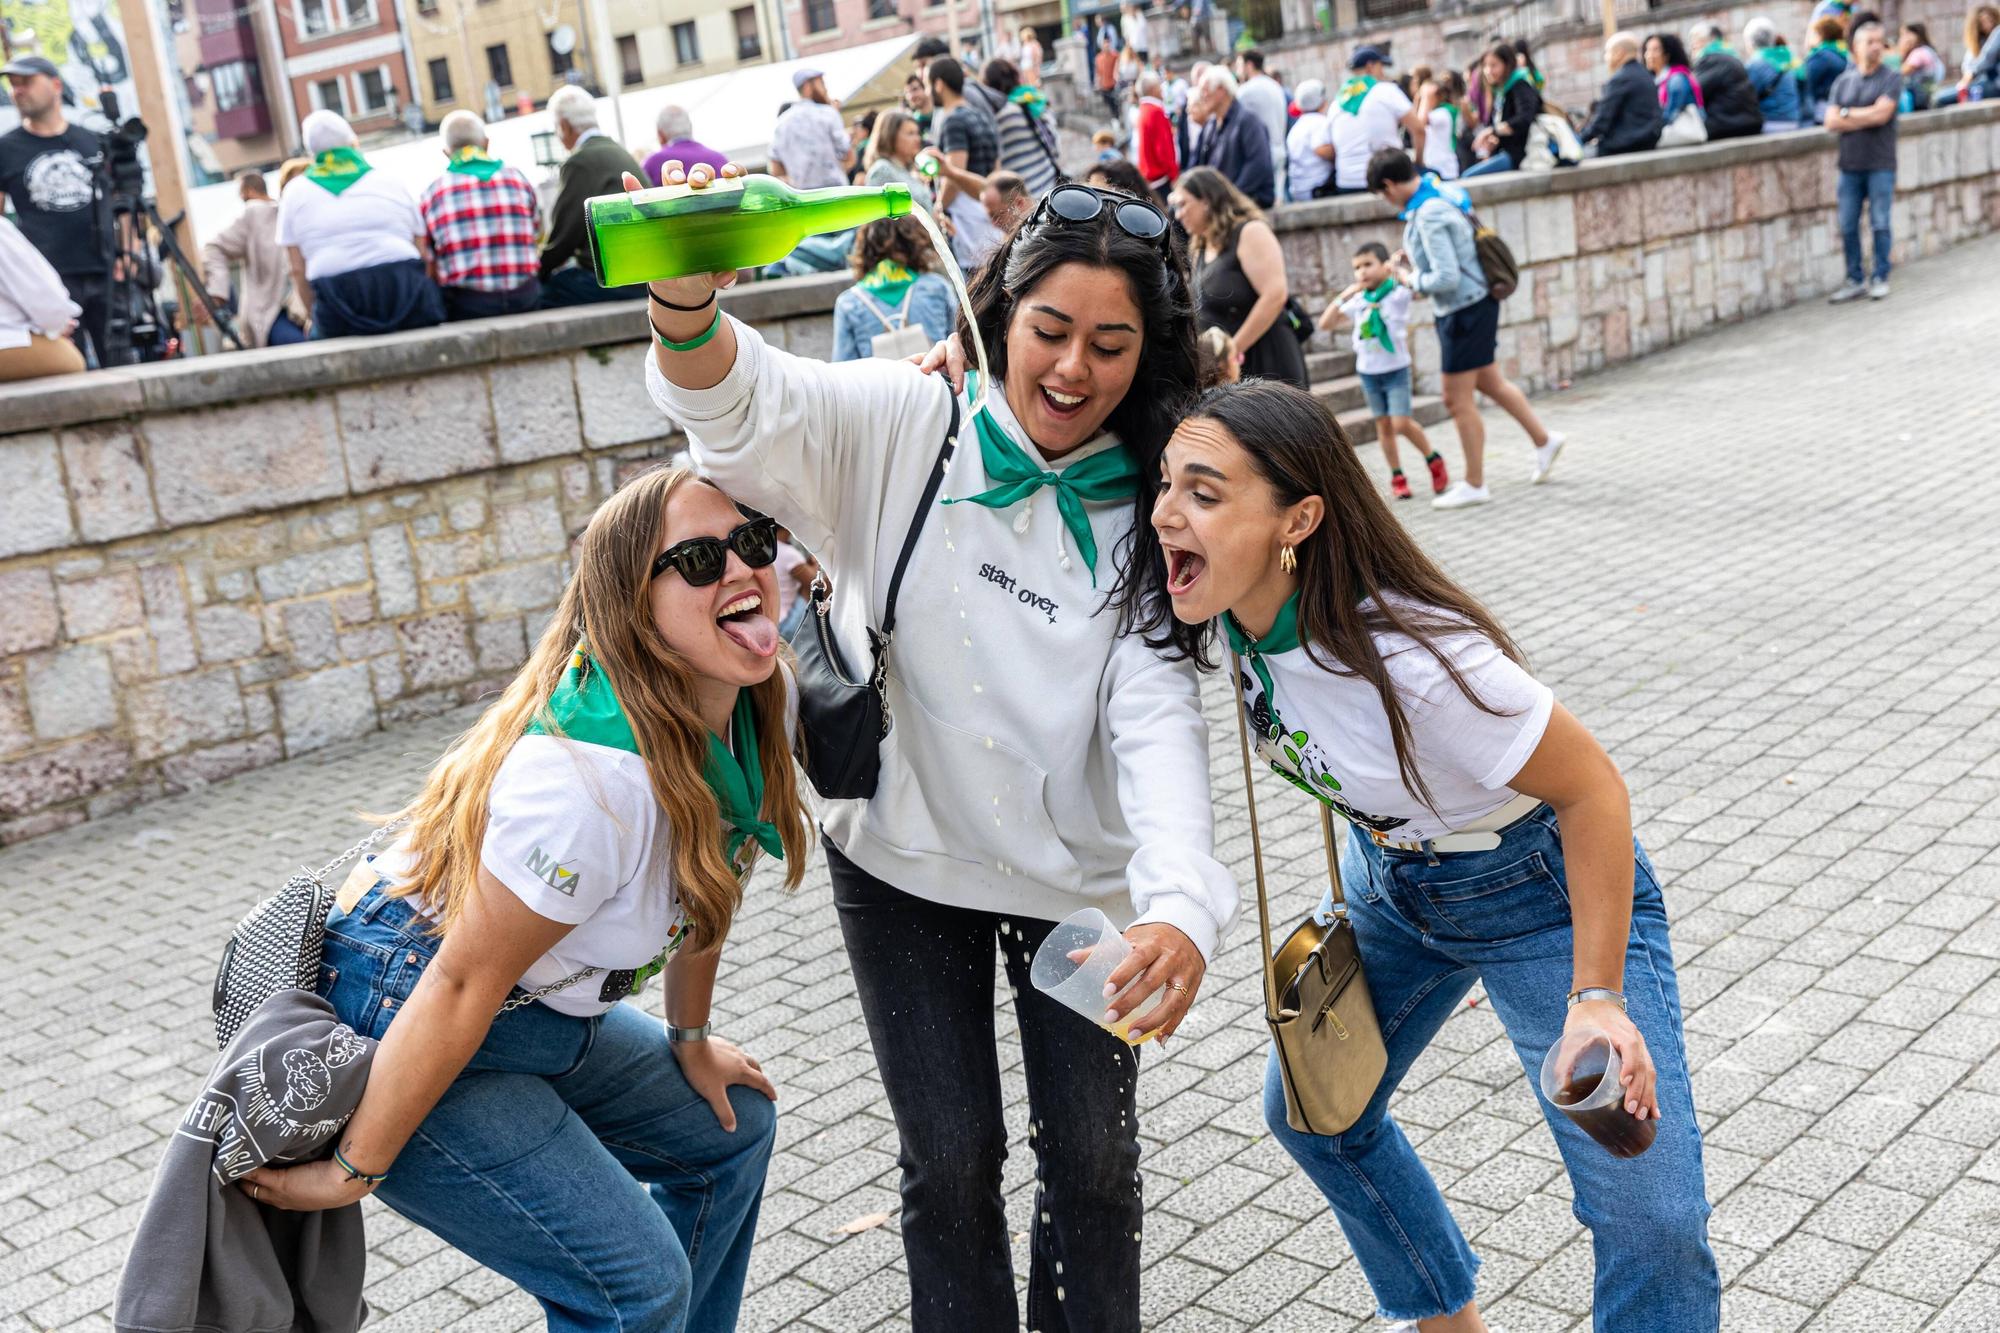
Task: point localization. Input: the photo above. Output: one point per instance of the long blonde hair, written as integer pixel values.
(607, 605)
(1979, 23)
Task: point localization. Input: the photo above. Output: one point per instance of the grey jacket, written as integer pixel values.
(1439, 239)
(206, 1258)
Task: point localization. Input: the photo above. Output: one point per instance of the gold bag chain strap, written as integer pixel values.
(1257, 842)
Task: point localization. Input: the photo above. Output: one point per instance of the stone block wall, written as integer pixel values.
(1623, 256)
(221, 582)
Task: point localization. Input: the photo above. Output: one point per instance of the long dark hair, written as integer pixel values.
(1360, 551)
(1158, 278)
(1672, 48)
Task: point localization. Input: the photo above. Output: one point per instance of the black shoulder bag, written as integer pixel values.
(842, 720)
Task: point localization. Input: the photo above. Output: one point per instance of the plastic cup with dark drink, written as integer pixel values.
(1580, 1079)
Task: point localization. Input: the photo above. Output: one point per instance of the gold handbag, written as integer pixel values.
(1316, 1000)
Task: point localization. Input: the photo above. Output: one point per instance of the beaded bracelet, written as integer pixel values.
(699, 340)
(353, 1173)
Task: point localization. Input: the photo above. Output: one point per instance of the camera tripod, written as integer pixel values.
(133, 314)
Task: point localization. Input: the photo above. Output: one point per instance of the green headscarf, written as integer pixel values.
(337, 168)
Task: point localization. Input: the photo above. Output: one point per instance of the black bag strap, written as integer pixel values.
(917, 521)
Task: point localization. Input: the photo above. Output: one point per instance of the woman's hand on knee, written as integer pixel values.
(1166, 960)
(1635, 1062)
(713, 1066)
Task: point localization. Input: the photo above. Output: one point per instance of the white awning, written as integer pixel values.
(732, 113)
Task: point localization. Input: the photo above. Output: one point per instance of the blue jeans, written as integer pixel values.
(571, 1155)
(1427, 932)
(1500, 161)
(1879, 189)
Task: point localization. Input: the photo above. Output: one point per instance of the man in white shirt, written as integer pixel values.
(1263, 97)
(810, 146)
(1370, 112)
(1309, 145)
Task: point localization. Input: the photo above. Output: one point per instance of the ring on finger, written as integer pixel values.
(1178, 986)
(253, 1191)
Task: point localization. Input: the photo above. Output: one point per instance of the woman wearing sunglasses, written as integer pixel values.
(1042, 759)
(593, 828)
(1490, 841)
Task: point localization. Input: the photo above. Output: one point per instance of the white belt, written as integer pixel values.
(1482, 835)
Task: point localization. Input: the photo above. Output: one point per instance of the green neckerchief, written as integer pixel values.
(1372, 324)
(1282, 637)
(1452, 107)
(1518, 76)
(472, 161)
(585, 708)
(1110, 475)
(1029, 100)
(1354, 92)
(887, 281)
(1779, 58)
(1715, 47)
(737, 779)
(337, 168)
(1838, 48)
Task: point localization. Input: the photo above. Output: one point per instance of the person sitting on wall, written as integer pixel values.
(482, 219)
(596, 165)
(1732, 103)
(354, 239)
(1627, 117)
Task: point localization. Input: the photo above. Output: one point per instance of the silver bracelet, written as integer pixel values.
(675, 1034)
(1577, 997)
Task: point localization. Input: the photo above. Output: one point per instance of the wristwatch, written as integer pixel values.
(689, 1034)
(1843, 113)
(1577, 997)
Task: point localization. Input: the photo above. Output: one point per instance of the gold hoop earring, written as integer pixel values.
(1287, 561)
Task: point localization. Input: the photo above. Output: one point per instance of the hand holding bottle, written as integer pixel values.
(696, 288)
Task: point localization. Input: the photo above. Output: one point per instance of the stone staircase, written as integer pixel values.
(1335, 383)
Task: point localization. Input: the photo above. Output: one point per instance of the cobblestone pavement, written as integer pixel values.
(1764, 574)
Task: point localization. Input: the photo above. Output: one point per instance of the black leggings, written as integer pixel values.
(924, 973)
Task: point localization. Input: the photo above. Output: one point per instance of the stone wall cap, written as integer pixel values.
(208, 381)
(1601, 173)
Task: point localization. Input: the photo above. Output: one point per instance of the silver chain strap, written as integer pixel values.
(371, 840)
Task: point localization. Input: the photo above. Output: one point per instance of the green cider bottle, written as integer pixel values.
(745, 222)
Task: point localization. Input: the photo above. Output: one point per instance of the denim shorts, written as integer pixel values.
(1388, 393)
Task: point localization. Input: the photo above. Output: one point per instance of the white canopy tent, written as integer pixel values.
(732, 113)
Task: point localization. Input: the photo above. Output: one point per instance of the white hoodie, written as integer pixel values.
(1039, 763)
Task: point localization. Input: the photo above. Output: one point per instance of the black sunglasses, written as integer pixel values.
(701, 560)
(1083, 203)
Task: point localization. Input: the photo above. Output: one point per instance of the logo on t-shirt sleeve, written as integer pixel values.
(552, 872)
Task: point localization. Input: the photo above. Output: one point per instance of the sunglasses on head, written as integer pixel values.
(1083, 203)
(701, 560)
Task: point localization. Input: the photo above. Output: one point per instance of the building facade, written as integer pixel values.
(818, 26)
(495, 56)
(344, 55)
(232, 79)
(665, 41)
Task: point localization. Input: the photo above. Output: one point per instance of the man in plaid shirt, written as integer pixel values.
(484, 224)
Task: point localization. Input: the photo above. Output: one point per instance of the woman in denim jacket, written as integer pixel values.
(1440, 259)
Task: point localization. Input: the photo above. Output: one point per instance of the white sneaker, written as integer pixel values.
(1462, 495)
(1852, 291)
(1545, 458)
(1878, 289)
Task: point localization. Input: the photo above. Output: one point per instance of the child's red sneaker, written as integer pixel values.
(1399, 486)
(1439, 477)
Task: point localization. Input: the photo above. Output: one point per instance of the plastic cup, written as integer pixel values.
(1079, 983)
(1580, 1078)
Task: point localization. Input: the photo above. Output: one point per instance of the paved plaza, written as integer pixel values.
(1767, 574)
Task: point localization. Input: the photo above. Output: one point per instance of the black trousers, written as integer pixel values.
(924, 973)
(92, 291)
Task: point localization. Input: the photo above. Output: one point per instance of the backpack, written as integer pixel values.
(899, 338)
(1496, 260)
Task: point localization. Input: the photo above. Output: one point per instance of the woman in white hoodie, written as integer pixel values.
(1042, 757)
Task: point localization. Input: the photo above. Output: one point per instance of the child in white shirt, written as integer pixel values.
(1379, 308)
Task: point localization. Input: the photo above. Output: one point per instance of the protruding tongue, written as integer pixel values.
(757, 632)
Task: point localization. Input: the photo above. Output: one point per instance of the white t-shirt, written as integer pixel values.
(370, 222)
(1334, 741)
(1440, 144)
(1309, 170)
(1357, 136)
(1370, 356)
(810, 139)
(1263, 98)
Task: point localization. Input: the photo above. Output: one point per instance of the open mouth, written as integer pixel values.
(1184, 568)
(744, 621)
(1061, 406)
